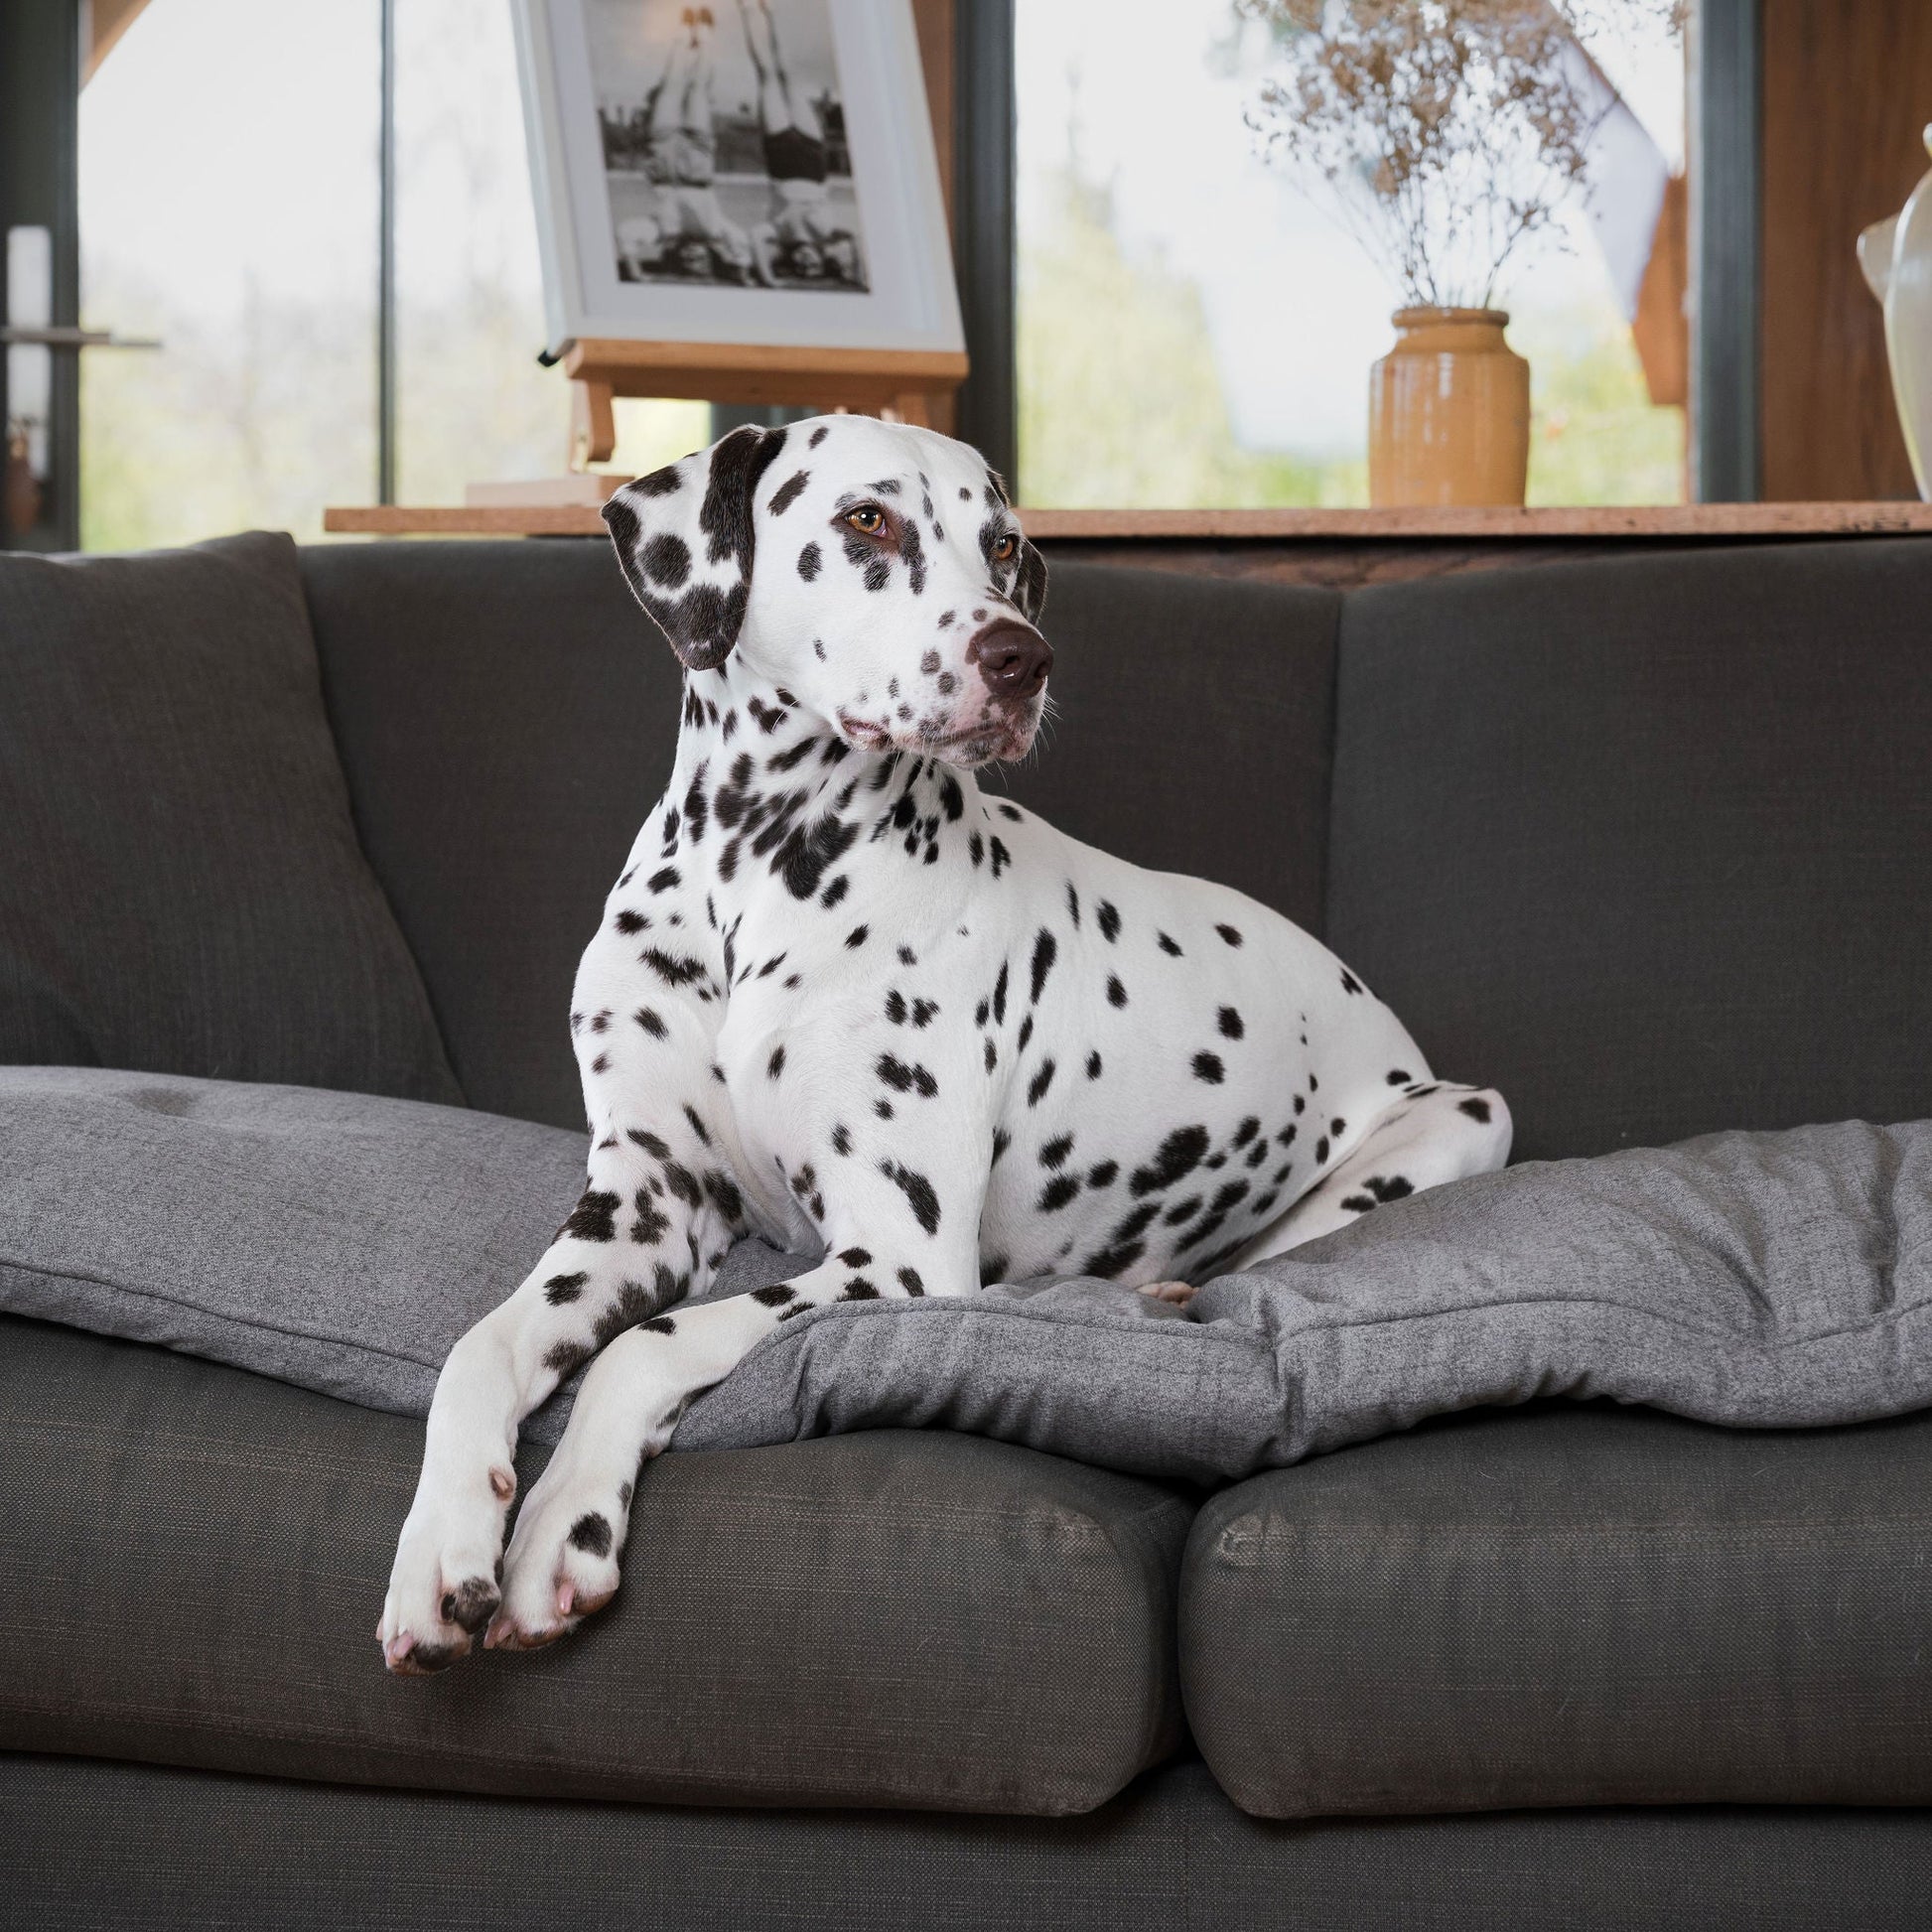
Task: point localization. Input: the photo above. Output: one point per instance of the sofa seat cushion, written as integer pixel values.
(181, 886)
(192, 1558)
(1569, 1606)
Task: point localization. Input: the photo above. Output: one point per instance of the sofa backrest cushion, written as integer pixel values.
(506, 716)
(1647, 843)
(1192, 725)
(181, 887)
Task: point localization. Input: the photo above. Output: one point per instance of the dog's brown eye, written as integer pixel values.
(869, 519)
(1003, 547)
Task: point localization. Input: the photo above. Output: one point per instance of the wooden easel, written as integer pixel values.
(899, 384)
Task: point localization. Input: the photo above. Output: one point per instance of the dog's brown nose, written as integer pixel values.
(1013, 660)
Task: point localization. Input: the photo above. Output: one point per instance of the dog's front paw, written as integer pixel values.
(562, 1562)
(445, 1583)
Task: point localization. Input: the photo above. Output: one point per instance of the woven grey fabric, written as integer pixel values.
(1757, 1279)
(192, 1558)
(1646, 841)
(330, 1239)
(117, 1848)
(181, 887)
(1562, 1605)
(345, 1243)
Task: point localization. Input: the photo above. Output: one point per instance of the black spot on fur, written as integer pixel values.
(774, 1297)
(565, 1358)
(1398, 1078)
(592, 1534)
(1115, 992)
(920, 1195)
(1167, 945)
(594, 1218)
(1230, 1024)
(901, 1078)
(1377, 1189)
(1045, 950)
(1109, 918)
(1038, 1085)
(809, 560)
(560, 1289)
(1180, 1154)
(776, 1065)
(789, 491)
(1476, 1109)
(1058, 1192)
(668, 559)
(1208, 1068)
(629, 922)
(671, 969)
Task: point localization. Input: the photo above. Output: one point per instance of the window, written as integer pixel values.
(1194, 329)
(230, 206)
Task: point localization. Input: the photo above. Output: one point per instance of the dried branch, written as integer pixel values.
(1450, 130)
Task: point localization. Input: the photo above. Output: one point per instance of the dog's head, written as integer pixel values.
(875, 571)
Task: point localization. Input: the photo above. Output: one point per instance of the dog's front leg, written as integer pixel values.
(657, 1212)
(900, 1211)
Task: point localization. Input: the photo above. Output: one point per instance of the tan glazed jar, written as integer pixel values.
(1449, 412)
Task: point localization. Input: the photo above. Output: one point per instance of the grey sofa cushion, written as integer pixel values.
(331, 1239)
(1569, 1606)
(181, 887)
(193, 1558)
(1646, 842)
(1752, 1279)
(345, 1243)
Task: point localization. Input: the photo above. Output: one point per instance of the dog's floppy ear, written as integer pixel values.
(684, 537)
(1029, 585)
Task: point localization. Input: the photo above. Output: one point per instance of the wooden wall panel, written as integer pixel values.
(1846, 87)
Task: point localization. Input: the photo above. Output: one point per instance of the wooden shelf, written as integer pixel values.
(1691, 522)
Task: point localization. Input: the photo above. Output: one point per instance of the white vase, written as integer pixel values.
(1896, 257)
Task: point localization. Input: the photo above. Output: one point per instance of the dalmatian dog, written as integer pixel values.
(843, 999)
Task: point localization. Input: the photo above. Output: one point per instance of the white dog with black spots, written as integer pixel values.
(842, 1000)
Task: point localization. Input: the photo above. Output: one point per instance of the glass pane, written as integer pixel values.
(474, 405)
(1241, 320)
(229, 205)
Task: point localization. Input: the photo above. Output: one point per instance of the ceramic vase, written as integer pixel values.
(1896, 257)
(1449, 412)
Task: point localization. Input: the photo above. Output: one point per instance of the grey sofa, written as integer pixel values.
(1647, 843)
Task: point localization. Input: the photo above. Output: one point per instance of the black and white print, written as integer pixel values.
(725, 152)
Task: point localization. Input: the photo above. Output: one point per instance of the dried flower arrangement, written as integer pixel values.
(1449, 129)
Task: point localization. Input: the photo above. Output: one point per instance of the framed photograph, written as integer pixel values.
(749, 171)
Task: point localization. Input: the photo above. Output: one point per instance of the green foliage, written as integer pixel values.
(1120, 400)
(1121, 403)
(1594, 435)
